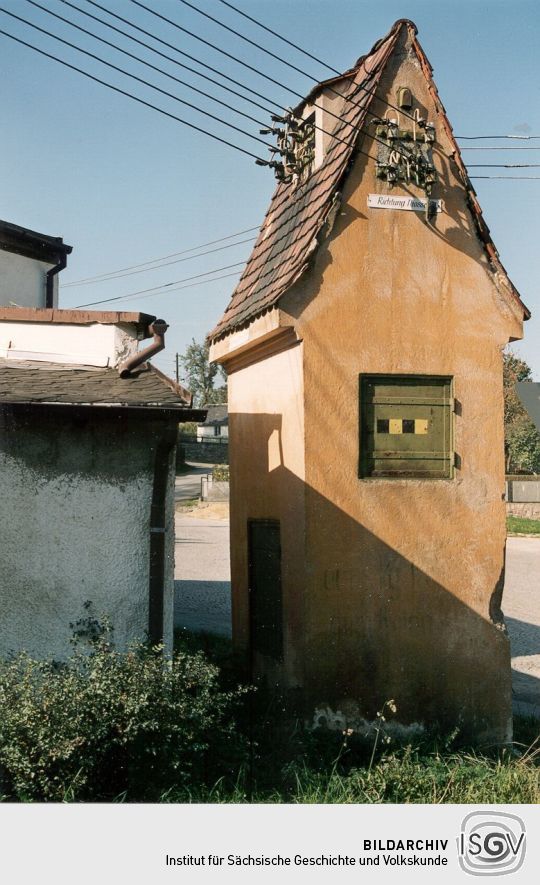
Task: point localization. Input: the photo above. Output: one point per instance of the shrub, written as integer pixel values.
(220, 473)
(107, 723)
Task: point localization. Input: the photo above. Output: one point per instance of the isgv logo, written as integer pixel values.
(491, 843)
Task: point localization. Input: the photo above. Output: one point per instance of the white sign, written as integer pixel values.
(412, 204)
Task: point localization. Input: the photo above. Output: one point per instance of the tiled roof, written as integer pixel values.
(146, 387)
(288, 235)
(217, 413)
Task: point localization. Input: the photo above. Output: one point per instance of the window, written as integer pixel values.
(406, 426)
(217, 429)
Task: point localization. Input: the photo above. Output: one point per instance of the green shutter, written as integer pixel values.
(406, 426)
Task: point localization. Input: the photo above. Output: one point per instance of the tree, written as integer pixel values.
(521, 439)
(202, 377)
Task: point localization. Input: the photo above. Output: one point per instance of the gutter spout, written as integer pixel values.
(49, 284)
(158, 329)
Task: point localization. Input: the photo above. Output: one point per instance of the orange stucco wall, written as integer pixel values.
(393, 585)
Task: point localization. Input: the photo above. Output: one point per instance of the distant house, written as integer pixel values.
(87, 453)
(29, 266)
(363, 349)
(216, 426)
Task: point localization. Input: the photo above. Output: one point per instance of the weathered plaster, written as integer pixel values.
(75, 497)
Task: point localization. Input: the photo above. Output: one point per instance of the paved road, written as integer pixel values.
(202, 572)
(188, 485)
(521, 606)
(202, 599)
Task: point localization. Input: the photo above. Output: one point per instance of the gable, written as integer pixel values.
(298, 213)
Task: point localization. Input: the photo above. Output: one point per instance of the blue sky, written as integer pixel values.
(125, 185)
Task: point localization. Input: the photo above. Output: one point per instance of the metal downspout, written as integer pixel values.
(157, 329)
(158, 532)
(49, 284)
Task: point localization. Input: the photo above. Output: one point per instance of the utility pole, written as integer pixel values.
(177, 368)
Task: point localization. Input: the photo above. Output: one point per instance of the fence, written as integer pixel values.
(523, 497)
(214, 490)
(211, 451)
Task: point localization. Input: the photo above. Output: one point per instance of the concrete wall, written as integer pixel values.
(23, 281)
(392, 586)
(523, 491)
(95, 344)
(203, 453)
(75, 499)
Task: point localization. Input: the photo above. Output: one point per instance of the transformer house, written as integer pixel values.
(363, 346)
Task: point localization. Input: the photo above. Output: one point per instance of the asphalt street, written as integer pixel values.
(202, 596)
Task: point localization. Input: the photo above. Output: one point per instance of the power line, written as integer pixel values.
(491, 148)
(108, 278)
(142, 101)
(287, 63)
(150, 292)
(164, 258)
(135, 77)
(163, 91)
(280, 37)
(129, 95)
(504, 165)
(153, 67)
(478, 137)
(206, 43)
(508, 177)
(168, 57)
(329, 67)
(146, 63)
(247, 39)
(356, 129)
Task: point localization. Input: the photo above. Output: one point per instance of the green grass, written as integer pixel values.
(187, 503)
(294, 765)
(518, 525)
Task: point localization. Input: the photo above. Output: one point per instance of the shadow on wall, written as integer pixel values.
(361, 622)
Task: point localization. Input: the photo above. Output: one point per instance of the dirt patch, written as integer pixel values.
(204, 510)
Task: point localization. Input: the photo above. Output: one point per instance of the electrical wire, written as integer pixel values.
(280, 37)
(146, 63)
(169, 94)
(356, 129)
(129, 95)
(247, 40)
(287, 63)
(130, 273)
(478, 137)
(148, 104)
(508, 177)
(504, 165)
(339, 73)
(135, 77)
(168, 57)
(466, 147)
(110, 273)
(151, 292)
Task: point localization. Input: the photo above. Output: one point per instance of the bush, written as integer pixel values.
(107, 724)
(220, 473)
